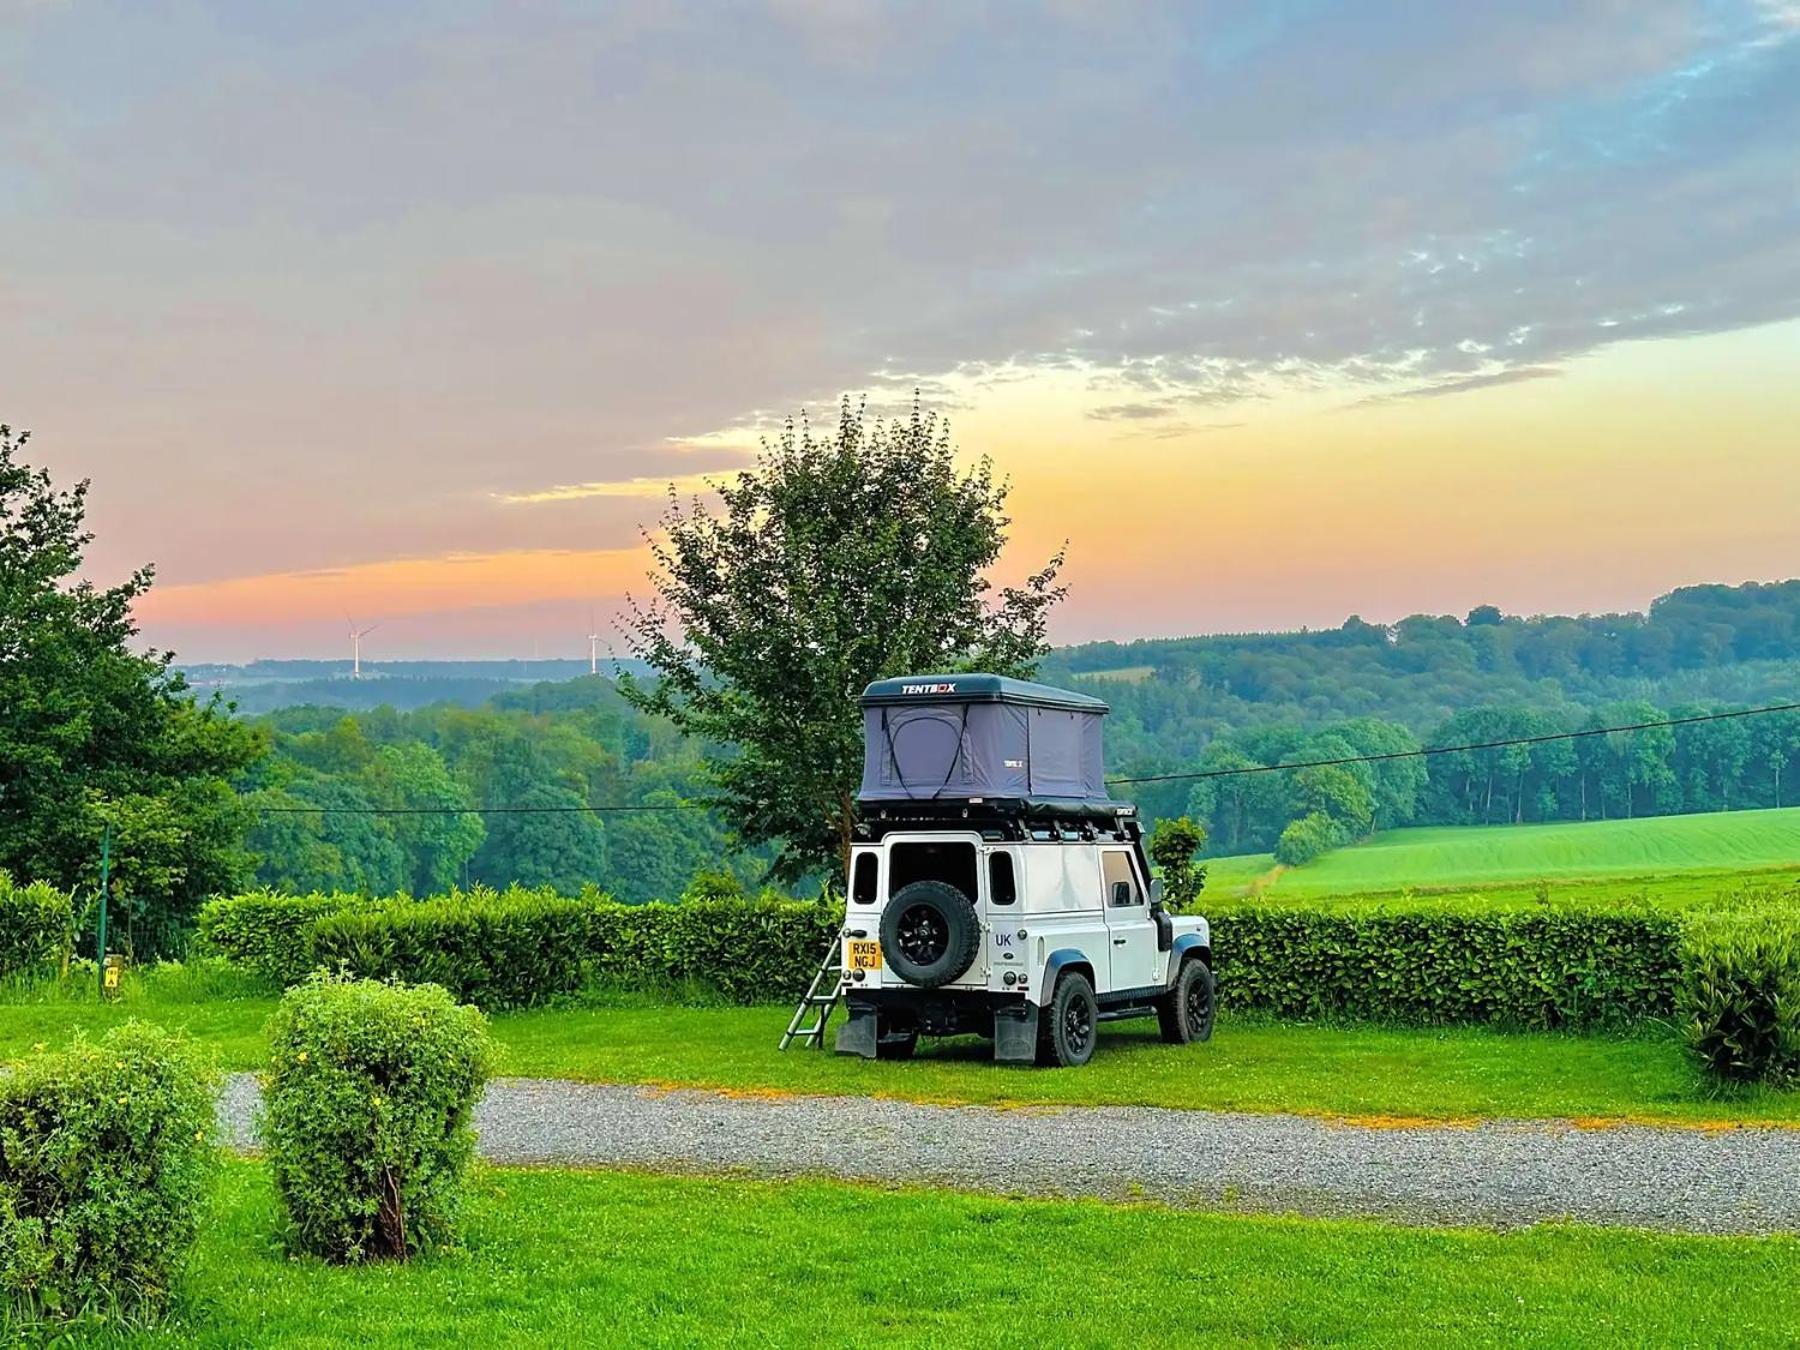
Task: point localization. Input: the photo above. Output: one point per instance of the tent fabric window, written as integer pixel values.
(925, 751)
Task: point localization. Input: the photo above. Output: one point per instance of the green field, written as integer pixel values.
(561, 1258)
(1251, 1065)
(1680, 860)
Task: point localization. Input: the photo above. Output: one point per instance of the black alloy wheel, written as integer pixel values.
(1067, 1026)
(1078, 1028)
(923, 935)
(1187, 1011)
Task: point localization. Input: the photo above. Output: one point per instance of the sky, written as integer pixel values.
(408, 314)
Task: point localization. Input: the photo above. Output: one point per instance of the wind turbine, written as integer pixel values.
(356, 637)
(593, 645)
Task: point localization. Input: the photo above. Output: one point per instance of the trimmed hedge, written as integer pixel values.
(368, 1114)
(37, 923)
(269, 932)
(521, 947)
(105, 1154)
(750, 950)
(1539, 970)
(509, 950)
(1737, 995)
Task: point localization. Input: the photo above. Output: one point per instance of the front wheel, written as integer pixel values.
(1186, 1011)
(1067, 1031)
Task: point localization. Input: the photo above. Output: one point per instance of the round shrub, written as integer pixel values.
(367, 1114)
(105, 1153)
(1740, 1002)
(37, 923)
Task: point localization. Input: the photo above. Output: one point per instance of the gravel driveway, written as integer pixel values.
(1501, 1172)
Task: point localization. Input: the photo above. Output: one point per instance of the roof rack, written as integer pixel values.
(1016, 818)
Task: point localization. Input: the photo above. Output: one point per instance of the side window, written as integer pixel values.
(862, 879)
(1002, 889)
(1115, 871)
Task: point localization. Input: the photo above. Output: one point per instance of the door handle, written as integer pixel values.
(1118, 942)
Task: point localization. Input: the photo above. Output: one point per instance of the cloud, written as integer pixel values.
(395, 273)
(1131, 412)
(642, 488)
(1466, 383)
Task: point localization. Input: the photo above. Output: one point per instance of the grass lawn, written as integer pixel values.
(1681, 861)
(1249, 1065)
(558, 1258)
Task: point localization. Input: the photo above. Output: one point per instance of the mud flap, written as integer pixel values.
(1016, 1034)
(857, 1035)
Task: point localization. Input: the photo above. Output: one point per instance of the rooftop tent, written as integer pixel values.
(939, 737)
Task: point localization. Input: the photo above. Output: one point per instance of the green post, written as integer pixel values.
(105, 886)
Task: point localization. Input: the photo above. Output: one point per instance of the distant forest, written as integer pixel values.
(563, 746)
(1178, 705)
(265, 686)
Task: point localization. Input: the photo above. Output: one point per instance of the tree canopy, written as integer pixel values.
(93, 733)
(836, 559)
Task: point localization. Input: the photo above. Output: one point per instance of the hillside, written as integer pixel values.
(1651, 851)
(1172, 697)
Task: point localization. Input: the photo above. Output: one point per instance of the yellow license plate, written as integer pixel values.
(865, 955)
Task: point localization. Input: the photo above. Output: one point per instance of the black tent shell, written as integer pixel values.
(961, 737)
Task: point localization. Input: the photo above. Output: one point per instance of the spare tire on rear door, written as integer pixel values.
(929, 935)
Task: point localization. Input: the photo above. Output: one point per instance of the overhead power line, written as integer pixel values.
(1140, 778)
(474, 810)
(1456, 749)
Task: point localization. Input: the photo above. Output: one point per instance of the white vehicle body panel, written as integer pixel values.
(1061, 904)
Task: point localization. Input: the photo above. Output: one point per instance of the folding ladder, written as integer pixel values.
(819, 1001)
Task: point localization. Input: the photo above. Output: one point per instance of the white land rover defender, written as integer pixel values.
(994, 886)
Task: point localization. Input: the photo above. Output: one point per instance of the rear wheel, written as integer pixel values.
(1067, 1024)
(1186, 1011)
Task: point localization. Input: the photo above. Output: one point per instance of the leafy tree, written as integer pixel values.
(836, 559)
(657, 854)
(1778, 741)
(92, 732)
(437, 845)
(1243, 812)
(1306, 838)
(367, 858)
(557, 843)
(1173, 846)
(289, 843)
(1336, 792)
